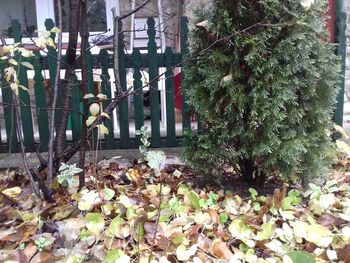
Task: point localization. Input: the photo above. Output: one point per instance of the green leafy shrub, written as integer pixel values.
(67, 175)
(265, 89)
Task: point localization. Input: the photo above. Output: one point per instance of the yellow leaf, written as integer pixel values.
(12, 192)
(23, 87)
(26, 53)
(90, 120)
(46, 34)
(343, 146)
(105, 114)
(14, 87)
(94, 109)
(10, 72)
(287, 259)
(13, 62)
(319, 235)
(88, 96)
(40, 42)
(184, 254)
(306, 4)
(102, 96)
(103, 129)
(55, 30)
(204, 24)
(27, 64)
(49, 42)
(8, 49)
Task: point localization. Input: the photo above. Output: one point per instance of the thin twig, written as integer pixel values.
(133, 11)
(83, 89)
(54, 99)
(22, 147)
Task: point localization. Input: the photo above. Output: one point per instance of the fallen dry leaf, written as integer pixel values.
(42, 257)
(221, 250)
(30, 250)
(328, 220)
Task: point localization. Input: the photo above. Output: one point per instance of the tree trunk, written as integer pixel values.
(247, 169)
(74, 16)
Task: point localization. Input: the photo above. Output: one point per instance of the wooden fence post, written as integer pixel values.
(106, 89)
(9, 115)
(27, 122)
(153, 86)
(138, 96)
(170, 97)
(123, 105)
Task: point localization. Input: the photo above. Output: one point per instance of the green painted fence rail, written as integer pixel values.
(152, 61)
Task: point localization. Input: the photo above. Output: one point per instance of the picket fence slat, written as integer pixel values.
(150, 62)
(123, 108)
(138, 96)
(106, 89)
(10, 116)
(40, 101)
(170, 95)
(27, 123)
(153, 86)
(90, 74)
(75, 113)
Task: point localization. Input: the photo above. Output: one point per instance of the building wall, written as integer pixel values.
(169, 12)
(22, 10)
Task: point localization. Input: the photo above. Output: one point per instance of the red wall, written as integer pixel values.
(331, 13)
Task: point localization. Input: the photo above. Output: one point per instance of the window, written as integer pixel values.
(22, 10)
(97, 19)
(140, 37)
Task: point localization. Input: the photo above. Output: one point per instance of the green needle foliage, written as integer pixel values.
(264, 91)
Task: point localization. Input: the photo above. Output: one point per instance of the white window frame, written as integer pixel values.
(45, 9)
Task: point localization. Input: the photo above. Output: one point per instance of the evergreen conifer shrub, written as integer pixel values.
(264, 90)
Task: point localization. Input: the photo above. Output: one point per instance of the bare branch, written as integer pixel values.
(54, 99)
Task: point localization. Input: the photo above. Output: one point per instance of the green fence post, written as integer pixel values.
(340, 20)
(138, 95)
(106, 89)
(90, 68)
(123, 105)
(76, 117)
(40, 101)
(153, 86)
(186, 121)
(170, 96)
(27, 122)
(9, 114)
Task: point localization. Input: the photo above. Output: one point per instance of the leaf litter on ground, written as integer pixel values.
(129, 215)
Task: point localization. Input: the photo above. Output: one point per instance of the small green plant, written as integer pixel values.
(78, 258)
(22, 246)
(143, 139)
(254, 198)
(67, 175)
(155, 159)
(41, 243)
(322, 198)
(211, 201)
